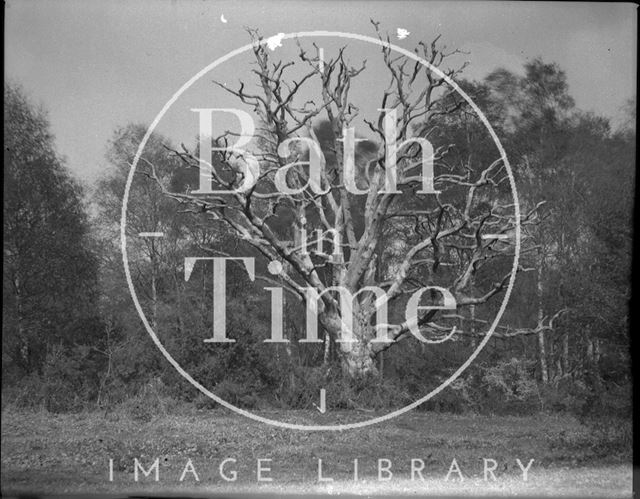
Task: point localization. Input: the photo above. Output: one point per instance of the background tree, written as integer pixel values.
(178, 311)
(574, 162)
(49, 273)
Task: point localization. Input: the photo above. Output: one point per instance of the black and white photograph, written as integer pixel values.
(274, 248)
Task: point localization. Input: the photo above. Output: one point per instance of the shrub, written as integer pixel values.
(149, 402)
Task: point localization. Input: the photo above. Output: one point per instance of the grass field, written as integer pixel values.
(70, 453)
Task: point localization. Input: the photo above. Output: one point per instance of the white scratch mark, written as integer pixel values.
(151, 234)
(403, 33)
(496, 236)
(275, 41)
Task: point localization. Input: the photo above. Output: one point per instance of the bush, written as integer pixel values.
(236, 393)
(567, 395)
(28, 393)
(65, 384)
(301, 390)
(149, 402)
(510, 387)
(456, 398)
(507, 387)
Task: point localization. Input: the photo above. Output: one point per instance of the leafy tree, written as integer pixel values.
(50, 268)
(584, 173)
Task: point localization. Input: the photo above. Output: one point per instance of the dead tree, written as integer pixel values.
(397, 241)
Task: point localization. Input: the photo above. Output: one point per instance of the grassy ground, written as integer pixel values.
(49, 453)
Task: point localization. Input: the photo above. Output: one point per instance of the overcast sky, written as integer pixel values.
(96, 65)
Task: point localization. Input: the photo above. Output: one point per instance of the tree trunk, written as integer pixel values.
(24, 344)
(592, 379)
(565, 354)
(154, 299)
(357, 357)
(179, 315)
(472, 326)
(327, 348)
(357, 360)
(154, 290)
(472, 317)
(544, 370)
